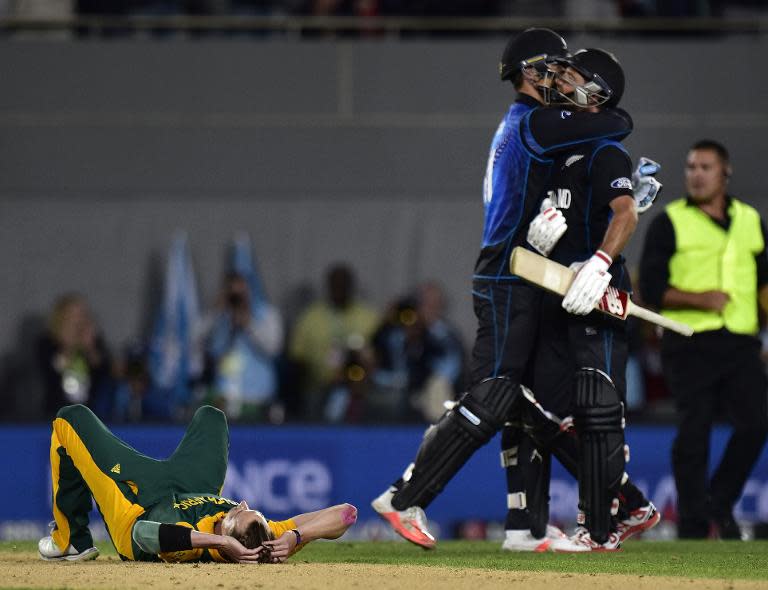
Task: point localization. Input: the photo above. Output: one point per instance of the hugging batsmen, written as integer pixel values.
(520, 162)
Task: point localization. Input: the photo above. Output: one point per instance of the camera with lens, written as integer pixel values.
(235, 299)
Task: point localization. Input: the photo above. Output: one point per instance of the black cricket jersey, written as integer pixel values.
(583, 183)
(520, 161)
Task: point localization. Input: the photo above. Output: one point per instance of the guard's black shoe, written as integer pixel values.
(725, 527)
(690, 528)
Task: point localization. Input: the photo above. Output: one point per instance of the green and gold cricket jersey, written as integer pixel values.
(87, 460)
(197, 511)
(200, 512)
(134, 492)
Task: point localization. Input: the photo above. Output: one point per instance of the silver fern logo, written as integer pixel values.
(573, 159)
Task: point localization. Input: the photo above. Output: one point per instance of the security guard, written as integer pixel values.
(704, 263)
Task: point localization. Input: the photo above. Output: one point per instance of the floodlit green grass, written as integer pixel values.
(691, 559)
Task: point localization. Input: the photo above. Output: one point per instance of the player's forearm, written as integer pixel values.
(208, 540)
(155, 537)
(329, 523)
(621, 227)
(552, 131)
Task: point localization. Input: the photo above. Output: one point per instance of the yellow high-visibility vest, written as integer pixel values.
(710, 258)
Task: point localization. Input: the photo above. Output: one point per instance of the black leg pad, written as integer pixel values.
(599, 422)
(449, 444)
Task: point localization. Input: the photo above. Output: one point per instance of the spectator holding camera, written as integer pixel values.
(348, 399)
(242, 338)
(418, 358)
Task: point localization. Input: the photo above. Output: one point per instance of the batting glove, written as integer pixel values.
(646, 188)
(589, 285)
(546, 228)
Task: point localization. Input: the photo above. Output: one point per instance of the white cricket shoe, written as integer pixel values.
(411, 523)
(562, 543)
(554, 540)
(640, 520)
(49, 551)
(583, 538)
(523, 540)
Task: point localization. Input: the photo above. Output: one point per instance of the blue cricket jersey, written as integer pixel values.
(518, 169)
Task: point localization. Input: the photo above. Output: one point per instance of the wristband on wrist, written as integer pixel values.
(298, 536)
(174, 537)
(604, 257)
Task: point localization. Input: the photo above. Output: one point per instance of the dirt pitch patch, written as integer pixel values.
(25, 570)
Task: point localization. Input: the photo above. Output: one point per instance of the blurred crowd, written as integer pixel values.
(367, 8)
(555, 8)
(336, 359)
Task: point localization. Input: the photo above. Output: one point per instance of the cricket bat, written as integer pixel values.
(554, 277)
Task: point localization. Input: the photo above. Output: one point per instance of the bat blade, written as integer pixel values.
(541, 271)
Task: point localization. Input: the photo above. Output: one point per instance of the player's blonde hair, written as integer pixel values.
(254, 535)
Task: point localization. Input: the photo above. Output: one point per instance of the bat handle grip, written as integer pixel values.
(660, 320)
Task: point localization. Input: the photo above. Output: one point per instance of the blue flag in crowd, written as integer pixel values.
(174, 361)
(242, 263)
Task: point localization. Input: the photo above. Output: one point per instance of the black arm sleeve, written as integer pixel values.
(762, 260)
(610, 176)
(548, 130)
(174, 537)
(654, 265)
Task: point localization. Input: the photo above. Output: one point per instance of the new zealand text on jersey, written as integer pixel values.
(561, 198)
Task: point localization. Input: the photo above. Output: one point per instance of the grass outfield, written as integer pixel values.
(691, 559)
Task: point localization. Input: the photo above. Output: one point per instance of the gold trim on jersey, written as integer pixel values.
(204, 525)
(61, 533)
(119, 512)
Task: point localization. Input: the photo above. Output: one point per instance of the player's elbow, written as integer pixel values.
(348, 515)
(632, 217)
(342, 516)
(633, 208)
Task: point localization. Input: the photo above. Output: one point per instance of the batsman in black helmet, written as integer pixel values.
(519, 163)
(581, 354)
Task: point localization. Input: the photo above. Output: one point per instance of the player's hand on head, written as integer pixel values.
(546, 228)
(589, 286)
(238, 553)
(282, 547)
